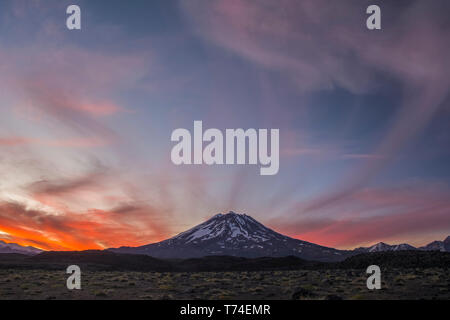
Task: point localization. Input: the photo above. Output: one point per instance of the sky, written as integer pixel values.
(87, 116)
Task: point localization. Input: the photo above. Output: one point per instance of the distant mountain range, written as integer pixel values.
(443, 246)
(15, 248)
(240, 235)
(381, 247)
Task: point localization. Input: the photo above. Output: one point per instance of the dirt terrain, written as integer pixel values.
(425, 283)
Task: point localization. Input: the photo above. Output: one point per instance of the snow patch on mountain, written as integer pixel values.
(232, 227)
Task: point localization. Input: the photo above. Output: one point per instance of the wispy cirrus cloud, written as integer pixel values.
(362, 156)
(376, 214)
(69, 143)
(14, 141)
(321, 45)
(78, 100)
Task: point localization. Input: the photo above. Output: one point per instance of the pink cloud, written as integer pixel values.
(372, 215)
(75, 86)
(100, 109)
(14, 141)
(69, 143)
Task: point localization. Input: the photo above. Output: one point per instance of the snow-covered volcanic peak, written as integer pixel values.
(381, 246)
(15, 248)
(230, 227)
(236, 235)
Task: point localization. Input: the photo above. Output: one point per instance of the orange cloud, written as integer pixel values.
(94, 229)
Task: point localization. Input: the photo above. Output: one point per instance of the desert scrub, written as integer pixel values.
(166, 287)
(257, 289)
(100, 293)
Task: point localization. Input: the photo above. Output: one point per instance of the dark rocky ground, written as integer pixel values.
(429, 283)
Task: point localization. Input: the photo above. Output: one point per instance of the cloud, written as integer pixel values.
(95, 210)
(291, 152)
(93, 229)
(297, 38)
(14, 141)
(66, 186)
(362, 156)
(69, 143)
(375, 214)
(320, 45)
(68, 87)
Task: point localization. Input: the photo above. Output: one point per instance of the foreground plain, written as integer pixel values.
(428, 283)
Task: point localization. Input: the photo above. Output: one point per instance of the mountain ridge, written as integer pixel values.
(17, 248)
(241, 235)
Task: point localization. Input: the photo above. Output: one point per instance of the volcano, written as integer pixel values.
(236, 235)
